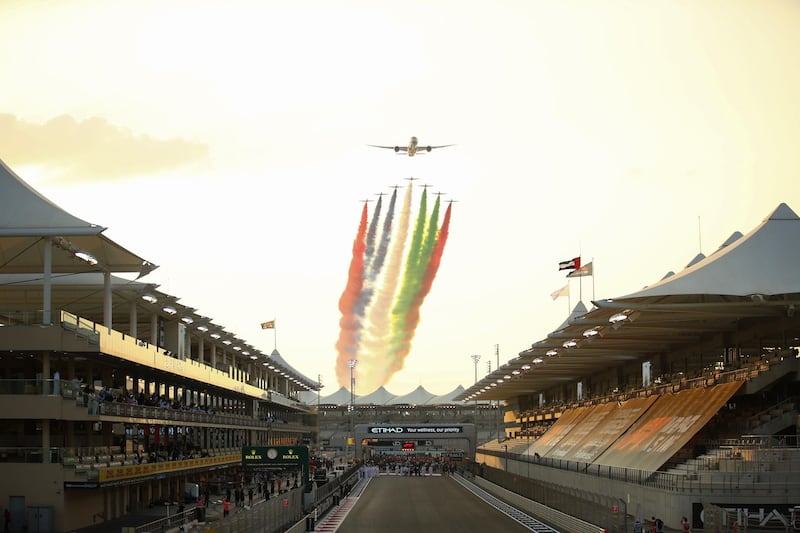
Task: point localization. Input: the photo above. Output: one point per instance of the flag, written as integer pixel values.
(572, 264)
(585, 270)
(563, 291)
(268, 325)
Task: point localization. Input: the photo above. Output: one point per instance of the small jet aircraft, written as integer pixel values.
(412, 148)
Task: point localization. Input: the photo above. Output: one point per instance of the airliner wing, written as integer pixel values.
(395, 148)
(424, 149)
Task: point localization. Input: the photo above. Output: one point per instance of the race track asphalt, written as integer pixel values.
(436, 504)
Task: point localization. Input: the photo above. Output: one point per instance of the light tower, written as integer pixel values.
(351, 364)
(475, 358)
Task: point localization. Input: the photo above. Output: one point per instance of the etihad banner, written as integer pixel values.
(603, 425)
(567, 422)
(666, 427)
(413, 430)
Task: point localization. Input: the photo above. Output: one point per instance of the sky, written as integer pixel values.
(227, 143)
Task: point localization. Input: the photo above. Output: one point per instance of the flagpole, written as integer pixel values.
(592, 278)
(580, 281)
(569, 299)
(275, 334)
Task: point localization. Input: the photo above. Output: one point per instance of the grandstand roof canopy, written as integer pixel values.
(751, 279)
(381, 396)
(28, 220)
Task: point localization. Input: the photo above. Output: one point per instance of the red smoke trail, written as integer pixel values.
(348, 343)
(412, 318)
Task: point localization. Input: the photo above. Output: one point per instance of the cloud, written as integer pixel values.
(92, 149)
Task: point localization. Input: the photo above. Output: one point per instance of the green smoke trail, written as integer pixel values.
(419, 253)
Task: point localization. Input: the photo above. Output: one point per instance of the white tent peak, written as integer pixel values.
(696, 259)
(735, 236)
(340, 397)
(762, 262)
(447, 398)
(782, 212)
(380, 396)
(578, 311)
(418, 396)
(26, 211)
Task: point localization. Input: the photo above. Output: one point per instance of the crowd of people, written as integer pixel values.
(107, 394)
(411, 464)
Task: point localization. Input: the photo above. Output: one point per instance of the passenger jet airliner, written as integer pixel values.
(413, 147)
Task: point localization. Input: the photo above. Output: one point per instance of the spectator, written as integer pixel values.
(226, 507)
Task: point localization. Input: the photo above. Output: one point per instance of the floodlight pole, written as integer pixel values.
(499, 414)
(319, 390)
(475, 358)
(351, 363)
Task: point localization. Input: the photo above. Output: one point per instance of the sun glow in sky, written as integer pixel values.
(226, 142)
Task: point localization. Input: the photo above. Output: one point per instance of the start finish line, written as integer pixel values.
(260, 456)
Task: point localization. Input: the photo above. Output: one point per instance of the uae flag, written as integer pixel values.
(572, 264)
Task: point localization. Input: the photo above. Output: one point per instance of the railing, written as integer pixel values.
(755, 419)
(30, 386)
(167, 523)
(709, 379)
(72, 390)
(764, 476)
(22, 318)
(91, 331)
(29, 455)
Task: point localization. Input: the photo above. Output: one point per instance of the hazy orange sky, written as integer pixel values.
(225, 141)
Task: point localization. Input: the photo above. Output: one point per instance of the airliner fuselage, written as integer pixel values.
(413, 148)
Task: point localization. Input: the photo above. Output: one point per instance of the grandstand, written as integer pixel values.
(115, 396)
(679, 399)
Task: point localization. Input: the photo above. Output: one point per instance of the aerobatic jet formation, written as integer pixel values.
(413, 148)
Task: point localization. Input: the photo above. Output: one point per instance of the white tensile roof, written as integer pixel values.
(447, 398)
(381, 396)
(27, 216)
(340, 397)
(418, 396)
(749, 280)
(764, 261)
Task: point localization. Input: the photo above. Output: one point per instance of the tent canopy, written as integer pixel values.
(746, 292)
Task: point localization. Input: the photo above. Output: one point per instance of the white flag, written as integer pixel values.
(563, 291)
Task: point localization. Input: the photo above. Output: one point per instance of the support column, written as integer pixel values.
(154, 329)
(107, 313)
(47, 287)
(132, 326)
(45, 440)
(46, 388)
